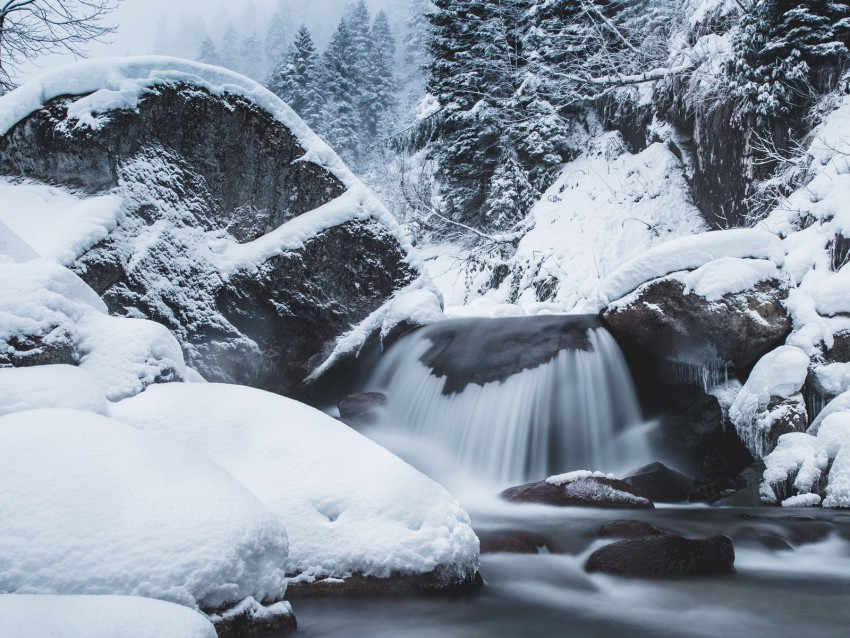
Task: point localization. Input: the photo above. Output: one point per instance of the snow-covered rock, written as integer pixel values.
(580, 488)
(28, 616)
(725, 313)
(811, 469)
(351, 508)
(93, 506)
(770, 403)
(48, 315)
(50, 386)
(214, 210)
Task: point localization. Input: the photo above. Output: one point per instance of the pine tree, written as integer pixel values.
(378, 95)
(278, 34)
(208, 54)
(296, 81)
(229, 50)
(785, 52)
(251, 57)
(341, 125)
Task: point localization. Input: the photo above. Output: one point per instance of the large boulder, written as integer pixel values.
(236, 227)
(714, 300)
(661, 483)
(664, 555)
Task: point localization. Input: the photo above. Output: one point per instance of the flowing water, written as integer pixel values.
(517, 413)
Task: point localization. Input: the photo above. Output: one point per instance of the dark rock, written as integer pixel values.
(630, 529)
(661, 556)
(193, 168)
(685, 328)
(361, 408)
(54, 345)
(250, 619)
(745, 497)
(583, 492)
(397, 584)
(512, 541)
(699, 436)
(508, 345)
(661, 483)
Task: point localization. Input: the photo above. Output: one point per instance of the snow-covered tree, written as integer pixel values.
(341, 124)
(229, 49)
(279, 34)
(378, 94)
(296, 79)
(252, 57)
(208, 53)
(785, 52)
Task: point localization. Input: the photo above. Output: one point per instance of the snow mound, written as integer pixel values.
(49, 386)
(350, 506)
(23, 616)
(56, 224)
(689, 253)
(44, 301)
(781, 374)
(93, 506)
(13, 246)
(811, 466)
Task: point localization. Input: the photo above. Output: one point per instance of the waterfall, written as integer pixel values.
(515, 399)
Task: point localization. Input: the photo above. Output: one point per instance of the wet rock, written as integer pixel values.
(590, 491)
(197, 172)
(671, 323)
(629, 529)
(512, 541)
(508, 346)
(361, 408)
(358, 585)
(661, 483)
(250, 619)
(662, 556)
(746, 497)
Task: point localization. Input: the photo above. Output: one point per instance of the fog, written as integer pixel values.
(138, 23)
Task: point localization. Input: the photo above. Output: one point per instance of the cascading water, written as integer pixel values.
(516, 399)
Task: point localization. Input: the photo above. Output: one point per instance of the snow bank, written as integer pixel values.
(24, 616)
(12, 246)
(49, 386)
(810, 462)
(39, 298)
(689, 253)
(56, 224)
(93, 506)
(569, 477)
(350, 506)
(781, 374)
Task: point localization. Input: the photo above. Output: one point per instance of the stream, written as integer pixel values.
(529, 398)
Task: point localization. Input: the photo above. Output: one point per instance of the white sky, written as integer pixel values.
(137, 21)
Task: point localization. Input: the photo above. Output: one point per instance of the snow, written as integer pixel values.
(253, 609)
(49, 386)
(41, 298)
(93, 506)
(349, 505)
(688, 253)
(569, 477)
(728, 275)
(108, 84)
(56, 224)
(12, 246)
(23, 616)
(418, 304)
(780, 373)
(810, 457)
(841, 403)
(605, 207)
